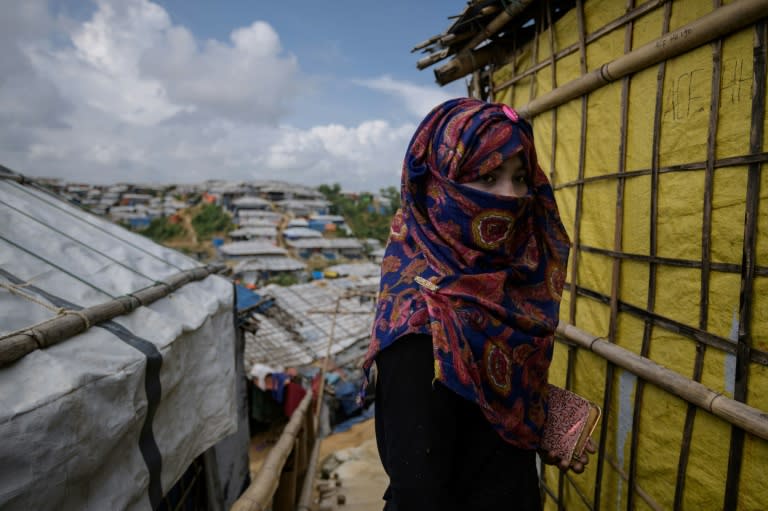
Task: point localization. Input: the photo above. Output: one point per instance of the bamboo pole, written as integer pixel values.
(433, 58)
(284, 498)
(73, 322)
(309, 479)
(258, 496)
(466, 62)
(466, 54)
(325, 361)
(747, 293)
(432, 40)
(748, 418)
(723, 21)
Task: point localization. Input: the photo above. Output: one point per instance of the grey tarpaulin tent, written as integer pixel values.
(111, 417)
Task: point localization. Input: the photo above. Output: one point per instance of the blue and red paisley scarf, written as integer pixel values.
(481, 273)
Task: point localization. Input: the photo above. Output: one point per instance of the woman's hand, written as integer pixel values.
(576, 465)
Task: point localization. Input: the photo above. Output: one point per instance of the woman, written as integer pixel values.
(469, 300)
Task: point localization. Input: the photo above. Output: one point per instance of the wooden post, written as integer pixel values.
(259, 494)
(285, 496)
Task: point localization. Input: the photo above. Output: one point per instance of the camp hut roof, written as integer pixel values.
(250, 202)
(355, 270)
(326, 218)
(298, 222)
(117, 358)
(332, 243)
(257, 222)
(250, 248)
(289, 189)
(301, 232)
(302, 206)
(379, 252)
(244, 215)
(296, 330)
(269, 263)
(249, 231)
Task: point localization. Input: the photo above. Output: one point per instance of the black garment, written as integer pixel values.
(438, 449)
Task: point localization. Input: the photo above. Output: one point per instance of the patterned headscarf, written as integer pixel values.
(481, 273)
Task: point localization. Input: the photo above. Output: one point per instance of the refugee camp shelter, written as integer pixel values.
(257, 271)
(359, 270)
(264, 233)
(649, 119)
(241, 249)
(331, 248)
(305, 322)
(250, 203)
(295, 233)
(257, 217)
(118, 373)
(303, 207)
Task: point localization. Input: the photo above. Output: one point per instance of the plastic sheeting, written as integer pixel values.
(110, 418)
(686, 100)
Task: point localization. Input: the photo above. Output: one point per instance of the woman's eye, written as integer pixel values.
(488, 179)
(520, 179)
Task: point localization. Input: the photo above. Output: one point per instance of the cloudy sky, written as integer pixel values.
(180, 91)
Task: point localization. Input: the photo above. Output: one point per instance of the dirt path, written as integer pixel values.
(186, 219)
(362, 477)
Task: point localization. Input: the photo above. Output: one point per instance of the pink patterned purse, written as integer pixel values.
(570, 423)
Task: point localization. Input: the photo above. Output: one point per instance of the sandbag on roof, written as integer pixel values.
(109, 418)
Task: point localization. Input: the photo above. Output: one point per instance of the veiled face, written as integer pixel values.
(510, 179)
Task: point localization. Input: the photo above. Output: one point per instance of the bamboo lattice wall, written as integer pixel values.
(658, 179)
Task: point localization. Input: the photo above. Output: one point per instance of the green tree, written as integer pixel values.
(160, 229)
(364, 220)
(211, 219)
(393, 194)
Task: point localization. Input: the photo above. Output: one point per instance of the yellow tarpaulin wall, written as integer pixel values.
(672, 287)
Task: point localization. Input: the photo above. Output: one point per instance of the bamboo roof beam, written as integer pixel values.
(467, 62)
(450, 69)
(429, 42)
(445, 41)
(433, 58)
(73, 322)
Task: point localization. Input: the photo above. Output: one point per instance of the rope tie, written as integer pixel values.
(166, 285)
(16, 289)
(80, 314)
(38, 338)
(136, 298)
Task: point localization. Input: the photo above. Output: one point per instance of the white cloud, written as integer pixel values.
(417, 98)
(367, 156)
(126, 95)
